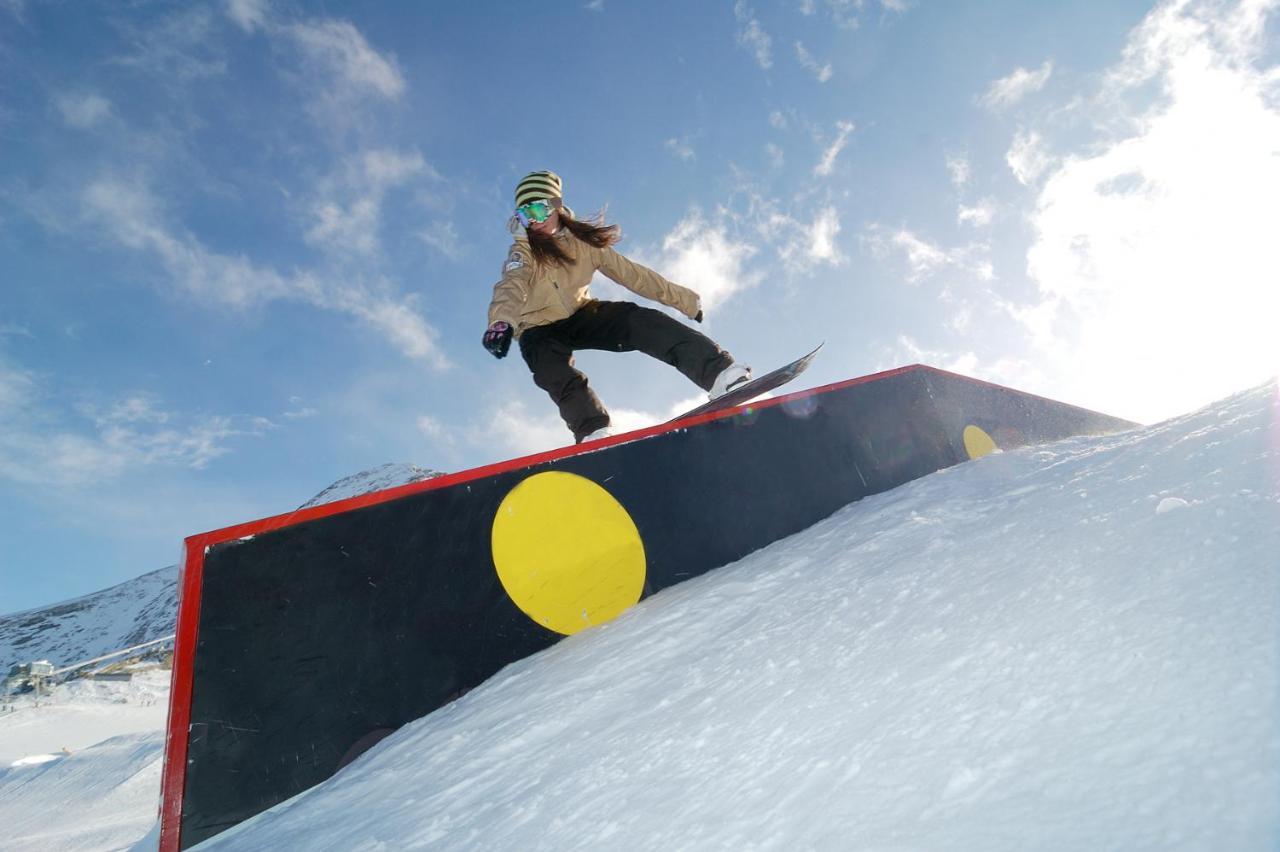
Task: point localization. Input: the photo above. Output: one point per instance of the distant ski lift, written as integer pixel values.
(36, 676)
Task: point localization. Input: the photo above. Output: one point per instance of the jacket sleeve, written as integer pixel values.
(645, 282)
(510, 293)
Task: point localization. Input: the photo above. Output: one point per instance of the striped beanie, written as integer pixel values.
(538, 185)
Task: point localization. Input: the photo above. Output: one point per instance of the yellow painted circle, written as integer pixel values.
(978, 443)
(566, 551)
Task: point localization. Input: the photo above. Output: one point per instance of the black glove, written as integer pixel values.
(497, 339)
(698, 318)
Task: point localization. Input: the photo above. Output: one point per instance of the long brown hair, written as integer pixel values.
(547, 252)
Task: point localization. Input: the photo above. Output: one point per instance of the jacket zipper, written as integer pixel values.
(560, 296)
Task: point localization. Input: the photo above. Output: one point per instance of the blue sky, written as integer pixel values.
(246, 247)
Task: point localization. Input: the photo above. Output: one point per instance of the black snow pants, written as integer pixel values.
(613, 327)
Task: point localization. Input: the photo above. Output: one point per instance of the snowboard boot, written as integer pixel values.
(730, 377)
(602, 432)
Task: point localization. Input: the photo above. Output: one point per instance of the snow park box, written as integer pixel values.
(305, 638)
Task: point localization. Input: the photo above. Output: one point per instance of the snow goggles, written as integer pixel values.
(535, 211)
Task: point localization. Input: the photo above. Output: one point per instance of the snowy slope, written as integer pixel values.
(82, 771)
(1067, 647)
(145, 607)
(80, 713)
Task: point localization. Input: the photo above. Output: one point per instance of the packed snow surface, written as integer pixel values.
(80, 770)
(82, 712)
(1067, 647)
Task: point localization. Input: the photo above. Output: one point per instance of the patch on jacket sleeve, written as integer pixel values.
(515, 260)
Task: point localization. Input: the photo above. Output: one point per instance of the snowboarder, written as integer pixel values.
(542, 301)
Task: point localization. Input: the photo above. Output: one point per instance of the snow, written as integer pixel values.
(1063, 647)
(83, 712)
(105, 797)
(81, 770)
(1023, 651)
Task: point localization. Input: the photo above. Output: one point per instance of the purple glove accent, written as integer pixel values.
(497, 339)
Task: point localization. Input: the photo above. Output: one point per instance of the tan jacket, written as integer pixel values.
(532, 294)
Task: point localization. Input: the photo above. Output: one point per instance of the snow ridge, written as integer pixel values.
(375, 479)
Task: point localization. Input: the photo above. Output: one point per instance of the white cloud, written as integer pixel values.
(353, 227)
(804, 246)
(40, 448)
(249, 15)
(84, 111)
(752, 35)
(828, 162)
(348, 212)
(16, 389)
(802, 234)
(778, 120)
(822, 72)
(681, 148)
(776, 158)
(133, 409)
(703, 256)
(1007, 371)
(1027, 157)
(432, 428)
(959, 169)
(808, 7)
(925, 259)
(822, 237)
(844, 13)
(340, 48)
(1155, 251)
(514, 430)
(979, 215)
(386, 168)
(180, 46)
(1007, 91)
(130, 215)
(922, 258)
(595, 6)
(442, 235)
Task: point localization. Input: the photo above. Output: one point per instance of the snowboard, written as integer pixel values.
(753, 388)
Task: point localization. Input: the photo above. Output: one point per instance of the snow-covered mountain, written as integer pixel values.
(145, 607)
(124, 615)
(375, 479)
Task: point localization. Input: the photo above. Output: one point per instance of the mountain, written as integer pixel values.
(375, 479)
(145, 607)
(130, 613)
